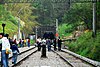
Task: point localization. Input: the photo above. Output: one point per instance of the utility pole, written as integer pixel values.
(57, 25)
(94, 18)
(19, 28)
(35, 33)
(19, 36)
(56, 28)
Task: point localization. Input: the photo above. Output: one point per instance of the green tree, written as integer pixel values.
(98, 15)
(79, 13)
(24, 12)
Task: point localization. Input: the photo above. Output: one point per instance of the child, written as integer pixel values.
(15, 52)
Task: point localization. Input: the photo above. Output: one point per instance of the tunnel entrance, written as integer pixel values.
(47, 32)
(48, 35)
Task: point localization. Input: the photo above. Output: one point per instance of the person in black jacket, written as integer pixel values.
(55, 44)
(15, 52)
(59, 44)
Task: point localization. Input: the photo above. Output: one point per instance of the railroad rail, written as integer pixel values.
(73, 61)
(22, 51)
(87, 60)
(36, 60)
(70, 59)
(22, 56)
(77, 56)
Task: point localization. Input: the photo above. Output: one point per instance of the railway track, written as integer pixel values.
(76, 60)
(35, 60)
(71, 60)
(25, 59)
(22, 56)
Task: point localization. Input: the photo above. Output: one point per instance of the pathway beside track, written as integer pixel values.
(21, 50)
(52, 60)
(22, 56)
(30, 57)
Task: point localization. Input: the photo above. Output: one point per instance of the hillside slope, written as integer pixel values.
(10, 21)
(87, 46)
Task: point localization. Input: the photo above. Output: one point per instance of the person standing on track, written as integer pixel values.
(39, 43)
(55, 44)
(59, 44)
(48, 42)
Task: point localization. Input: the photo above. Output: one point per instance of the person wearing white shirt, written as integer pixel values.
(43, 42)
(38, 41)
(5, 45)
(43, 54)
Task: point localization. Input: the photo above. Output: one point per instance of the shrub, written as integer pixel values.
(87, 46)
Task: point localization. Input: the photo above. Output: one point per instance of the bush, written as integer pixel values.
(87, 46)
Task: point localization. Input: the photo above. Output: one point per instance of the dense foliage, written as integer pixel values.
(65, 29)
(9, 14)
(79, 13)
(24, 12)
(7, 18)
(87, 46)
(98, 15)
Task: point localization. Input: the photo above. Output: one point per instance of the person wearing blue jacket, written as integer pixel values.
(15, 53)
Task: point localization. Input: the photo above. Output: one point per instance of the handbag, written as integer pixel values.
(8, 51)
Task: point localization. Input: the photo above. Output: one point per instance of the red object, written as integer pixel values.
(56, 34)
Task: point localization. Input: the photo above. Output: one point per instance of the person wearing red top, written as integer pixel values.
(28, 42)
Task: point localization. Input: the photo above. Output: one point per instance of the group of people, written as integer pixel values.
(6, 48)
(55, 42)
(22, 42)
(10, 46)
